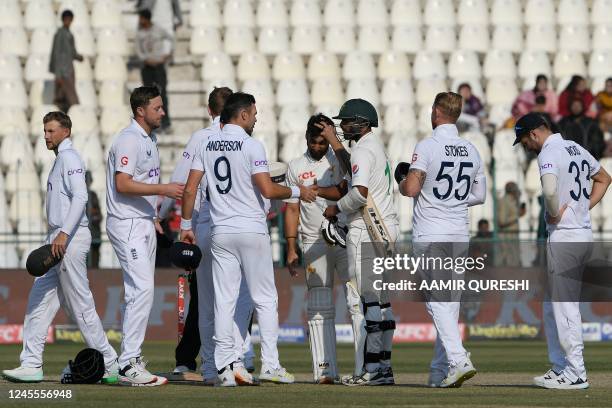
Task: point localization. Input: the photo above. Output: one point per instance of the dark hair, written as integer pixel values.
(234, 104)
(141, 97)
(67, 14)
(571, 87)
(464, 85)
(608, 79)
(540, 100)
(146, 14)
(482, 221)
(217, 99)
(60, 117)
(538, 79)
(311, 129)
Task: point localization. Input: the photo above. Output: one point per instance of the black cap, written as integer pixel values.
(185, 256)
(527, 123)
(41, 260)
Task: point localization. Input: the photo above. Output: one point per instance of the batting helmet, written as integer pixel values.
(87, 368)
(185, 256)
(358, 109)
(41, 260)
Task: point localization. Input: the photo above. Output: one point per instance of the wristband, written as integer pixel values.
(295, 192)
(185, 224)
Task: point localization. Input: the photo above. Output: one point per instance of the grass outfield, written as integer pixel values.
(505, 369)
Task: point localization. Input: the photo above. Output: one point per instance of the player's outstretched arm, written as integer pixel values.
(190, 192)
(292, 219)
(334, 193)
(126, 185)
(601, 181)
(274, 191)
(412, 183)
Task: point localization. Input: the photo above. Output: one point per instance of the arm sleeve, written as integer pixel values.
(291, 180)
(126, 152)
(478, 192)
(594, 165)
(73, 174)
(420, 158)
(181, 172)
(361, 167)
(551, 195)
(256, 155)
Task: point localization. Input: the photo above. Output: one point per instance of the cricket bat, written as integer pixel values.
(377, 229)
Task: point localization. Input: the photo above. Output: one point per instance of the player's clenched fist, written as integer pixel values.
(174, 190)
(331, 212)
(187, 236)
(308, 194)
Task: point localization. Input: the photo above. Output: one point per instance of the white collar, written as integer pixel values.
(65, 145)
(446, 130)
(552, 138)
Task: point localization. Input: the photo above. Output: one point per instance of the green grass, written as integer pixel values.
(504, 378)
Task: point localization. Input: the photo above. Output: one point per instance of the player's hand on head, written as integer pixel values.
(175, 190)
(187, 236)
(555, 220)
(331, 212)
(58, 246)
(327, 131)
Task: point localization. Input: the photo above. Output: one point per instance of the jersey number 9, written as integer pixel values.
(224, 178)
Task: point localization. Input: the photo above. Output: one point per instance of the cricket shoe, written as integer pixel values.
(366, 378)
(550, 375)
(325, 380)
(209, 381)
(563, 383)
(388, 375)
(24, 374)
(111, 373)
(458, 374)
(277, 375)
(249, 364)
(180, 369)
(225, 377)
(435, 378)
(135, 374)
(243, 377)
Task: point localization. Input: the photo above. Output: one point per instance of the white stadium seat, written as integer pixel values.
(292, 119)
(573, 12)
(18, 174)
(41, 41)
(501, 91)
(82, 69)
(41, 92)
(397, 91)
(340, 39)
(407, 39)
(306, 40)
(600, 63)
(204, 40)
(14, 41)
(11, 119)
(439, 12)
(568, 63)
(499, 63)
(288, 65)
(261, 89)
(10, 14)
(541, 37)
(602, 37)
(463, 64)
(364, 88)
(473, 12)
(13, 94)
(110, 67)
(253, 65)
(574, 38)
(441, 38)
(217, 65)
(43, 158)
(112, 93)
(538, 12)
(10, 68)
(39, 13)
(293, 147)
(8, 253)
(305, 13)
(113, 119)
(238, 13)
(327, 91)
(428, 88)
(506, 12)
(37, 68)
(373, 39)
(508, 38)
(323, 65)
(339, 13)
(292, 92)
(424, 119)
(79, 9)
(399, 119)
(238, 40)
(205, 13)
(372, 13)
(532, 63)
(429, 64)
(272, 13)
(273, 40)
(393, 64)
(83, 41)
(105, 13)
(601, 12)
(84, 119)
(358, 64)
(406, 13)
(16, 151)
(474, 37)
(90, 148)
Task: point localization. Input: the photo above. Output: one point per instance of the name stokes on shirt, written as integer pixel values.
(455, 151)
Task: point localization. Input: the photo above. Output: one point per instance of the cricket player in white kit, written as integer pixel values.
(239, 186)
(317, 165)
(66, 283)
(566, 171)
(205, 287)
(446, 177)
(371, 313)
(132, 188)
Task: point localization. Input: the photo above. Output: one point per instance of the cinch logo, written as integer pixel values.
(154, 172)
(124, 161)
(355, 168)
(546, 166)
(261, 162)
(186, 155)
(307, 175)
(414, 157)
(75, 171)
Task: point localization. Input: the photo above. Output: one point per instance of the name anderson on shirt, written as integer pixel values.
(224, 145)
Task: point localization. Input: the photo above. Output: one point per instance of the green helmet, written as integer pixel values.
(358, 109)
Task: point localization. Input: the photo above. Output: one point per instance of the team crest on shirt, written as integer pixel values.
(124, 160)
(355, 168)
(414, 157)
(149, 153)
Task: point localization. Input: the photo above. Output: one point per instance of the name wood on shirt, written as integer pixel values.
(456, 151)
(572, 150)
(224, 145)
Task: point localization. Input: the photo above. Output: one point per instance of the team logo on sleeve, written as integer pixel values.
(124, 160)
(261, 163)
(186, 155)
(415, 157)
(546, 166)
(75, 171)
(355, 168)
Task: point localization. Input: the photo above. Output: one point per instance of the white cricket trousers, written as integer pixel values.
(236, 257)
(448, 348)
(206, 306)
(562, 320)
(134, 241)
(65, 284)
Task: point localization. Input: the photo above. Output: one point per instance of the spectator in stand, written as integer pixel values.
(166, 13)
(509, 211)
(484, 231)
(63, 53)
(526, 101)
(604, 106)
(583, 130)
(576, 89)
(473, 110)
(540, 107)
(154, 49)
